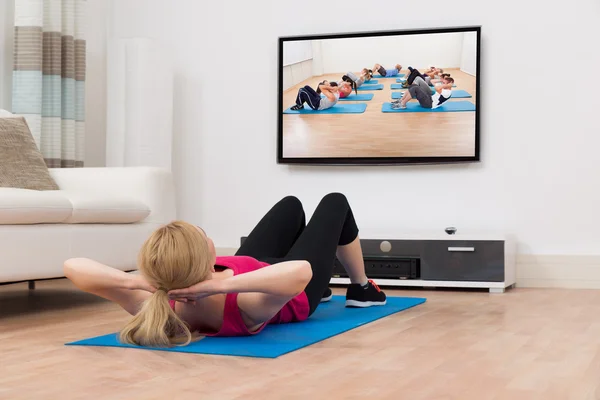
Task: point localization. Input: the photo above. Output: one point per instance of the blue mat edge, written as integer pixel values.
(388, 104)
(377, 76)
(83, 342)
(352, 97)
(395, 95)
(376, 86)
(309, 111)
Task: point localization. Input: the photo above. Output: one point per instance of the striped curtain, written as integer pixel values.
(49, 77)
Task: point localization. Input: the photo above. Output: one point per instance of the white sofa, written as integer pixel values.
(99, 213)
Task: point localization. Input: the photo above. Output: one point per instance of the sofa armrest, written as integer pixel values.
(153, 186)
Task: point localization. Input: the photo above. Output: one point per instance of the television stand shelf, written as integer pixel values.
(468, 261)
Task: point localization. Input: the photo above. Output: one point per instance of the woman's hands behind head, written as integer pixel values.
(195, 292)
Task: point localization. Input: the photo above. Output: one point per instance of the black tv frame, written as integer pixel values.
(378, 160)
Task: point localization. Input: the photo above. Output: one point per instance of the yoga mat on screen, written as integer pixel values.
(388, 77)
(371, 87)
(399, 86)
(358, 97)
(337, 109)
(456, 94)
(413, 106)
(329, 320)
(355, 97)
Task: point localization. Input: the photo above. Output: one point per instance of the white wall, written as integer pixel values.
(296, 51)
(539, 174)
(317, 60)
(295, 73)
(297, 62)
(6, 53)
(419, 51)
(468, 60)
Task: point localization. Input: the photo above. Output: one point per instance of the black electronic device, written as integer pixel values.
(385, 268)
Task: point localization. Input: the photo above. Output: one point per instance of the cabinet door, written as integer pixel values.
(450, 260)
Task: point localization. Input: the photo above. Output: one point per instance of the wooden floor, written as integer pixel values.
(524, 344)
(377, 134)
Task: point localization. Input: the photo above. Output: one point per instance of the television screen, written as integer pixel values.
(380, 97)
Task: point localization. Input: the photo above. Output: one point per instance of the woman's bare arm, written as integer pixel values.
(262, 293)
(329, 91)
(128, 290)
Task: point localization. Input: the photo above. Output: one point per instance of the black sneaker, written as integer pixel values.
(327, 296)
(297, 107)
(365, 296)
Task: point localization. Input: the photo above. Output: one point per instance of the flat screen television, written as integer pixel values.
(386, 97)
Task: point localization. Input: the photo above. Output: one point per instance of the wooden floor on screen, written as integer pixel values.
(377, 134)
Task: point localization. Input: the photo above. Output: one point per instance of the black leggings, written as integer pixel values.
(309, 96)
(281, 235)
(413, 75)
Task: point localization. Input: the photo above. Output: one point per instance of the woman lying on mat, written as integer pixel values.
(365, 76)
(313, 98)
(346, 86)
(422, 92)
(280, 274)
(387, 72)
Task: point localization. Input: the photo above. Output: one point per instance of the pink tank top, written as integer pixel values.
(296, 309)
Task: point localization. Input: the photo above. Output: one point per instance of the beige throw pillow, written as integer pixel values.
(21, 162)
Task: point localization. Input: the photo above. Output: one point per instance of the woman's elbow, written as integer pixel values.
(70, 266)
(305, 274)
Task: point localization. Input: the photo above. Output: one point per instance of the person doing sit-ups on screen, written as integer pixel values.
(365, 76)
(386, 73)
(421, 91)
(313, 98)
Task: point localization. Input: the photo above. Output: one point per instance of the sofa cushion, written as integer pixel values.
(21, 163)
(23, 206)
(98, 208)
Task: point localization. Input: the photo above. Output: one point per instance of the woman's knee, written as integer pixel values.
(335, 198)
(292, 203)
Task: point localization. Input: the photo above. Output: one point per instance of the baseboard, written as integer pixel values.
(558, 271)
(540, 271)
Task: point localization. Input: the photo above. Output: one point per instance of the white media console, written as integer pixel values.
(441, 260)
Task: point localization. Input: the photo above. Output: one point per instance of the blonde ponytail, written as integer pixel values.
(156, 325)
(175, 256)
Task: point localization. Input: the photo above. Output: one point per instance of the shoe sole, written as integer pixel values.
(326, 299)
(363, 304)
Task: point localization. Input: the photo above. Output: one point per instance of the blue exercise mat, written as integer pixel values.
(388, 77)
(449, 106)
(371, 82)
(371, 87)
(329, 320)
(358, 97)
(400, 80)
(357, 108)
(456, 94)
(399, 86)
